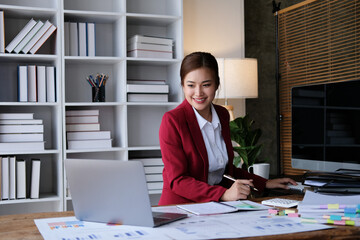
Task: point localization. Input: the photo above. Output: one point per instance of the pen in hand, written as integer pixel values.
(233, 179)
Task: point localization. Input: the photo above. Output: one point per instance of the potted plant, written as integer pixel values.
(242, 132)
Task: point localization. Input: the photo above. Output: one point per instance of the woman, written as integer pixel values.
(196, 146)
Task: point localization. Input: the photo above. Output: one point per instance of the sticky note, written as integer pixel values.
(323, 206)
(333, 206)
(273, 211)
(350, 223)
(335, 217)
(282, 213)
(350, 210)
(342, 223)
(287, 211)
(326, 216)
(293, 215)
(330, 221)
(350, 215)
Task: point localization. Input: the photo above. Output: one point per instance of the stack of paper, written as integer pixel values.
(83, 130)
(150, 47)
(331, 209)
(21, 132)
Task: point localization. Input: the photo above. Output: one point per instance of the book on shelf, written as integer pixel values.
(35, 178)
(20, 179)
(89, 144)
(151, 161)
(41, 83)
(19, 128)
(32, 86)
(19, 116)
(145, 81)
(20, 121)
(82, 38)
(2, 32)
(154, 177)
(149, 46)
(50, 84)
(22, 84)
(82, 112)
(147, 88)
(12, 177)
(74, 49)
(36, 37)
(153, 169)
(10, 47)
(83, 127)
(42, 39)
(22, 146)
(5, 177)
(82, 119)
(155, 185)
(150, 54)
(147, 97)
(151, 40)
(67, 38)
(28, 37)
(90, 27)
(92, 135)
(22, 137)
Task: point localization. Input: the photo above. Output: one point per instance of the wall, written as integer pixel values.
(260, 44)
(218, 27)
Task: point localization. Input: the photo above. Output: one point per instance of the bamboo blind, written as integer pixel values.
(318, 43)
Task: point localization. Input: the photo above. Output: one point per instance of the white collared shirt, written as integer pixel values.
(215, 146)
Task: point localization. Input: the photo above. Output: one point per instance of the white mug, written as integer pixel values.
(261, 169)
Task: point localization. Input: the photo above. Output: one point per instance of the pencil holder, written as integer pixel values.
(98, 94)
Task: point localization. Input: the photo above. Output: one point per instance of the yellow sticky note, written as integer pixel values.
(333, 206)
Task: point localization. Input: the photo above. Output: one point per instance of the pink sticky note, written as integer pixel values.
(339, 223)
(272, 211)
(293, 215)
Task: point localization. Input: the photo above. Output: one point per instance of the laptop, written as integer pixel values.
(112, 191)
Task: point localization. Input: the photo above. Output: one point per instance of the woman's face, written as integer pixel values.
(199, 89)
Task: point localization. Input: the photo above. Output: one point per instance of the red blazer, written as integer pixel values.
(185, 158)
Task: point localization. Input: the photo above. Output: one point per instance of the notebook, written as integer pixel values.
(112, 191)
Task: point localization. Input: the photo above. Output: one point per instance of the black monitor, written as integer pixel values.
(326, 126)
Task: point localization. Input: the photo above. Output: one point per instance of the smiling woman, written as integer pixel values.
(195, 143)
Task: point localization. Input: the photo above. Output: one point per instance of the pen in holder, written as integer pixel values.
(98, 94)
(98, 86)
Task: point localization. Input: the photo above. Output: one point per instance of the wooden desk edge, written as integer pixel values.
(22, 226)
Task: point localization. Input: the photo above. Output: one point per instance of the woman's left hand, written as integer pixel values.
(280, 183)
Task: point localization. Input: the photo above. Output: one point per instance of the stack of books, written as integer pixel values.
(150, 47)
(31, 37)
(36, 83)
(83, 130)
(147, 92)
(15, 182)
(153, 171)
(21, 132)
(79, 39)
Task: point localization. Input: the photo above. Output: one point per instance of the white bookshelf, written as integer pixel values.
(134, 125)
(17, 14)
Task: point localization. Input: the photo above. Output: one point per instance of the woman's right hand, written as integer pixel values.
(240, 189)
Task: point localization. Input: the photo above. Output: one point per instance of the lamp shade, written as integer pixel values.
(238, 78)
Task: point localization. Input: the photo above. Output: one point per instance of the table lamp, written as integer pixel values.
(238, 79)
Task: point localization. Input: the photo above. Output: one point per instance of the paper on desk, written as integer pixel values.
(312, 202)
(70, 228)
(240, 224)
(210, 208)
(235, 225)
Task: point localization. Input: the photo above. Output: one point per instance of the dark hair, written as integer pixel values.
(197, 60)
